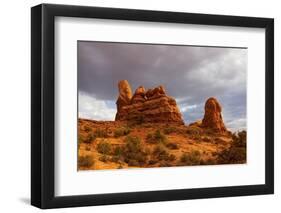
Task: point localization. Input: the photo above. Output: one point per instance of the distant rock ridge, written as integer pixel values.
(152, 105)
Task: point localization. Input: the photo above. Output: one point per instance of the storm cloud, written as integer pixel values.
(191, 74)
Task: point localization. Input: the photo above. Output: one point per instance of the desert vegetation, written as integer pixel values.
(117, 145)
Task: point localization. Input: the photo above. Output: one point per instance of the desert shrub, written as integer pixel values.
(100, 133)
(104, 147)
(159, 137)
(122, 131)
(81, 139)
(118, 151)
(172, 146)
(133, 152)
(192, 158)
(159, 149)
(239, 139)
(87, 128)
(161, 154)
(104, 158)
(132, 144)
(90, 137)
(169, 130)
(236, 153)
(232, 155)
(85, 161)
(86, 139)
(156, 137)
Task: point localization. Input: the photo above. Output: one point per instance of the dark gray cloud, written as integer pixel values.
(190, 74)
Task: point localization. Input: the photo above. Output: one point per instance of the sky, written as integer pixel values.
(190, 74)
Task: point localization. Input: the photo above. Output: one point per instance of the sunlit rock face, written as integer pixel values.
(152, 105)
(212, 117)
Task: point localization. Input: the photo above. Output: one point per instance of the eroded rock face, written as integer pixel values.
(139, 96)
(213, 118)
(152, 105)
(125, 95)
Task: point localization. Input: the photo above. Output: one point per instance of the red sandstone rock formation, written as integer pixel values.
(125, 96)
(152, 105)
(212, 118)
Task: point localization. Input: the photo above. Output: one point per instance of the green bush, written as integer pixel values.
(156, 137)
(81, 139)
(236, 153)
(132, 144)
(118, 151)
(159, 149)
(161, 154)
(86, 139)
(159, 137)
(232, 155)
(192, 158)
(104, 147)
(100, 133)
(90, 137)
(122, 131)
(85, 161)
(87, 128)
(133, 152)
(239, 139)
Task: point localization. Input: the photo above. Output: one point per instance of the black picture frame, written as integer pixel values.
(43, 102)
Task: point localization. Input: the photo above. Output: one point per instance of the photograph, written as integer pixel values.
(160, 105)
(139, 105)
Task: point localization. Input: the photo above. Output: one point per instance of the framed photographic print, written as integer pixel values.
(139, 106)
